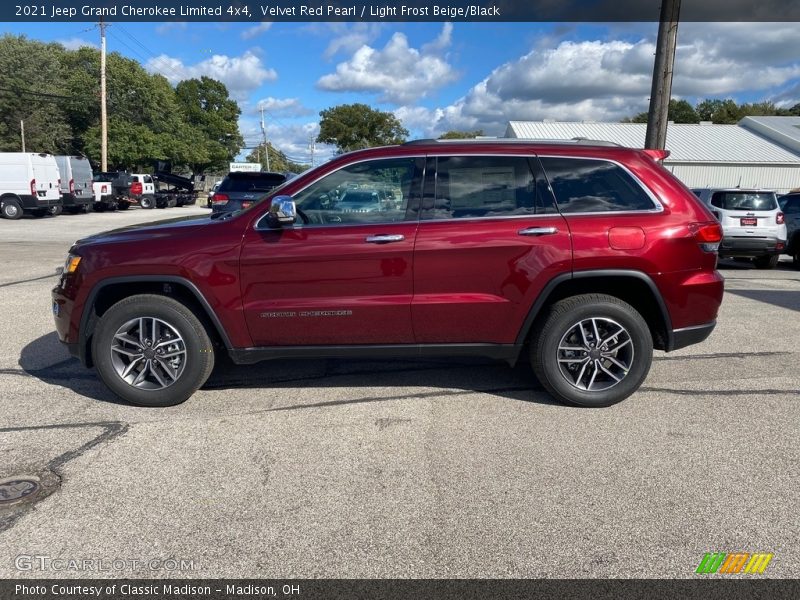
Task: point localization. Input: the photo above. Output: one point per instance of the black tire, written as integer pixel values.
(88, 208)
(199, 352)
(12, 209)
(766, 262)
(54, 211)
(39, 212)
(124, 205)
(561, 321)
(147, 202)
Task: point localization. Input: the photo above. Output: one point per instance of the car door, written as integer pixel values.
(340, 275)
(489, 240)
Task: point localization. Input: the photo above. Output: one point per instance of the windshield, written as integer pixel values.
(744, 200)
(263, 183)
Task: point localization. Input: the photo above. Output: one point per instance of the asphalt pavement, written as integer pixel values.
(366, 469)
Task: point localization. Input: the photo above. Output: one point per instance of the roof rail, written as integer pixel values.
(573, 141)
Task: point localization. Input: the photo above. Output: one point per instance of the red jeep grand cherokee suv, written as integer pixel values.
(583, 256)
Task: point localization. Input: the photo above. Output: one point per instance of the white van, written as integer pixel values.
(29, 183)
(76, 183)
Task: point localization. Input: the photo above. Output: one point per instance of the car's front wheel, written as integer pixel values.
(591, 350)
(152, 350)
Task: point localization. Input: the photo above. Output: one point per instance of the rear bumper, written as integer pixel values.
(31, 202)
(750, 246)
(75, 200)
(688, 336)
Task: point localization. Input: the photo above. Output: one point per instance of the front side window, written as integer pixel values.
(590, 185)
(375, 191)
(468, 187)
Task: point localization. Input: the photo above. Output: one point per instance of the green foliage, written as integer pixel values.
(725, 112)
(209, 110)
(461, 135)
(278, 161)
(56, 91)
(355, 126)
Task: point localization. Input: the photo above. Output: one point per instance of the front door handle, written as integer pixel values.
(536, 231)
(385, 239)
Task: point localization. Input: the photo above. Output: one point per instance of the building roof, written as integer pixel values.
(703, 143)
(782, 130)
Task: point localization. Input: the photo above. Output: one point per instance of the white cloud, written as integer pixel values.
(609, 80)
(256, 30)
(283, 107)
(348, 37)
(398, 73)
(166, 28)
(74, 43)
(241, 74)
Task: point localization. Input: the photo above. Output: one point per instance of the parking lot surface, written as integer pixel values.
(452, 468)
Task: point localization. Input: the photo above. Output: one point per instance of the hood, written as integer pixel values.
(166, 228)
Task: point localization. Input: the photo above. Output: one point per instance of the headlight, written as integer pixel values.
(73, 260)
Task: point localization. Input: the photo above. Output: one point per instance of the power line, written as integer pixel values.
(40, 94)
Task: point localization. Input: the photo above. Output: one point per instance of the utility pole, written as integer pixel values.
(22, 133)
(103, 108)
(312, 147)
(264, 135)
(661, 91)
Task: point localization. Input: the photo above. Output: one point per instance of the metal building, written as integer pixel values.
(703, 155)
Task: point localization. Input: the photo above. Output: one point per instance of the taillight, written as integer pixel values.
(33, 187)
(136, 188)
(779, 218)
(707, 235)
(71, 186)
(219, 199)
(247, 204)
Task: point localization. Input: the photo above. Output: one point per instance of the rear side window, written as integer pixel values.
(589, 185)
(485, 186)
(792, 205)
(262, 183)
(744, 200)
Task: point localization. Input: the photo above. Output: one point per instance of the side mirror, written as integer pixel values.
(282, 211)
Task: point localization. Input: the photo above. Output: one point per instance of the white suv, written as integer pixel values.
(752, 223)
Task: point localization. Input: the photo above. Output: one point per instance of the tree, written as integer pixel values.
(210, 110)
(354, 126)
(719, 111)
(461, 135)
(30, 91)
(680, 111)
(278, 161)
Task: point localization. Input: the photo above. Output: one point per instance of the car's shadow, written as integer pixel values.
(46, 359)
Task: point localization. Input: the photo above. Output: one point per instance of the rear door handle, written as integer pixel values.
(536, 231)
(385, 239)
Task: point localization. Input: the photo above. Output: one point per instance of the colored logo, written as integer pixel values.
(733, 563)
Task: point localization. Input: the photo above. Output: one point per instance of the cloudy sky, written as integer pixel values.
(441, 76)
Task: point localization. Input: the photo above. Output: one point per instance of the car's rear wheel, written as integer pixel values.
(152, 350)
(55, 210)
(12, 209)
(766, 262)
(591, 350)
(147, 202)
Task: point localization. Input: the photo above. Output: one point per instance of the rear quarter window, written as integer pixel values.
(592, 185)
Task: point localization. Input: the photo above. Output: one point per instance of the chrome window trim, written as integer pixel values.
(321, 177)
